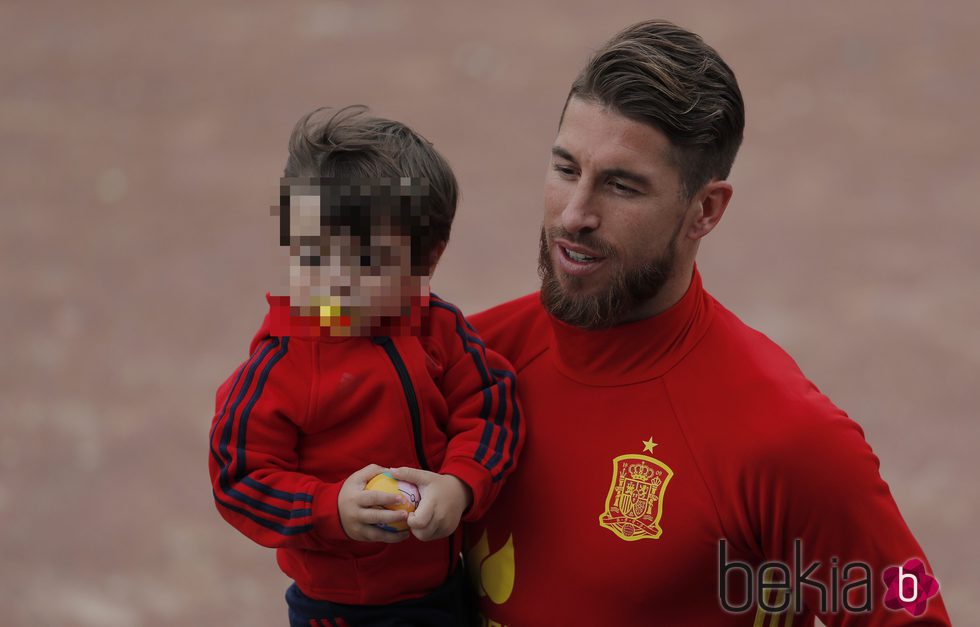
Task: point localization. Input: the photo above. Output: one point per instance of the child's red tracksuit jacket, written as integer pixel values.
(303, 413)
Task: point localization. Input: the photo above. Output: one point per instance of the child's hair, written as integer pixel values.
(370, 171)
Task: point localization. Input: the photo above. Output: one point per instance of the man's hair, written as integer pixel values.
(662, 75)
(372, 170)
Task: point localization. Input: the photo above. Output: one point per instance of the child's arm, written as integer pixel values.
(254, 465)
(485, 428)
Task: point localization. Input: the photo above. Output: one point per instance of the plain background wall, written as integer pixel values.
(140, 149)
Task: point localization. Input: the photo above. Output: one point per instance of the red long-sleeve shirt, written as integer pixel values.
(651, 442)
(303, 413)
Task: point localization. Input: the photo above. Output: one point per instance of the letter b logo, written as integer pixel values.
(903, 578)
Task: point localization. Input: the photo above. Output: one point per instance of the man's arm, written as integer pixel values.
(823, 500)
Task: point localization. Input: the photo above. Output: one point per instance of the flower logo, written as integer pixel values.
(909, 587)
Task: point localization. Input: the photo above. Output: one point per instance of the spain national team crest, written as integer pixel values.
(635, 501)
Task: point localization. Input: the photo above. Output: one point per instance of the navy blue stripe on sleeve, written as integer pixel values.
(285, 530)
(227, 418)
(289, 497)
(225, 460)
(481, 450)
(272, 510)
(243, 421)
(498, 450)
(515, 422)
(473, 352)
(224, 407)
(487, 380)
(468, 336)
(473, 335)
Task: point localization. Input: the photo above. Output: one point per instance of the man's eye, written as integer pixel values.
(564, 170)
(624, 190)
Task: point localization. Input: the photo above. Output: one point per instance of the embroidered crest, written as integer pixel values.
(635, 501)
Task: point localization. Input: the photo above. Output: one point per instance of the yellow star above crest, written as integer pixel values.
(648, 445)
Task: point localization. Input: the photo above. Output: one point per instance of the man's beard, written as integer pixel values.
(629, 288)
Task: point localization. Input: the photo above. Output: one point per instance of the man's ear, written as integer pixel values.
(435, 255)
(711, 202)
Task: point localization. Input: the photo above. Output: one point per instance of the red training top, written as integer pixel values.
(649, 443)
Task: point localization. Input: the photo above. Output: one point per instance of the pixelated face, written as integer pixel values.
(614, 212)
(346, 256)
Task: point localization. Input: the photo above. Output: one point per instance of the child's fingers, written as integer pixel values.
(374, 498)
(374, 516)
(420, 518)
(412, 475)
(362, 476)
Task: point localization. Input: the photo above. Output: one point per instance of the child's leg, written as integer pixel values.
(447, 606)
(307, 612)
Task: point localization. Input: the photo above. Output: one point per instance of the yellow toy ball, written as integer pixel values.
(384, 482)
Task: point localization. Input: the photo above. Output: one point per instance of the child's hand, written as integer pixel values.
(358, 514)
(444, 499)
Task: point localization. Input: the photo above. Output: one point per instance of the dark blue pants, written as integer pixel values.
(446, 606)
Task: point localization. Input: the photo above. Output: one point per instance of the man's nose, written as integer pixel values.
(580, 212)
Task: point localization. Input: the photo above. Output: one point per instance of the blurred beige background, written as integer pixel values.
(141, 148)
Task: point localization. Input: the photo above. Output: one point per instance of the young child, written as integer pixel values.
(360, 370)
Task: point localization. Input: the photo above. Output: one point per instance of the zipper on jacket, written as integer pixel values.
(410, 397)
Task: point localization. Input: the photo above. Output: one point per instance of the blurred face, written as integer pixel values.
(334, 273)
(614, 218)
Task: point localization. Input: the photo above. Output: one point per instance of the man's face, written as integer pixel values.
(614, 215)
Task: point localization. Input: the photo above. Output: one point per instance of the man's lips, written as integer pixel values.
(578, 248)
(576, 260)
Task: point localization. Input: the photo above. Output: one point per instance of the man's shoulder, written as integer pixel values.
(518, 329)
(758, 389)
(739, 352)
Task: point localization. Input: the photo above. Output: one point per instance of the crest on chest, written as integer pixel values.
(634, 504)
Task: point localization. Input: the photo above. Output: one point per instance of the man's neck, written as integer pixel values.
(672, 291)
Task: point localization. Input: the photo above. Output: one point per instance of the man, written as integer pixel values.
(679, 469)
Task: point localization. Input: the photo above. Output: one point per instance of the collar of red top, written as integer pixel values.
(282, 323)
(635, 351)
